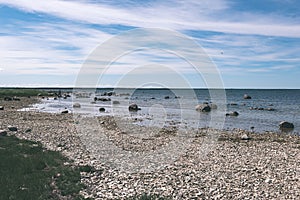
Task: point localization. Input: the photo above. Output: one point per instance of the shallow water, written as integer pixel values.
(179, 108)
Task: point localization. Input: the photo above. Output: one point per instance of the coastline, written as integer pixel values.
(264, 166)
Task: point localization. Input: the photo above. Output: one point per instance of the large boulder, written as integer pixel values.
(286, 125)
(64, 112)
(1, 107)
(133, 107)
(203, 108)
(3, 133)
(102, 109)
(246, 96)
(233, 114)
(76, 105)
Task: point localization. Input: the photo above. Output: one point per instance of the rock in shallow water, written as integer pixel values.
(76, 105)
(286, 125)
(234, 114)
(3, 133)
(133, 107)
(203, 108)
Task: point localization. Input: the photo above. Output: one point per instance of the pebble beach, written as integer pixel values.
(240, 165)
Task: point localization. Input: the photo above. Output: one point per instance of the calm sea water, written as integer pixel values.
(163, 107)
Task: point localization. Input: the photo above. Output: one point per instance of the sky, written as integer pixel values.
(252, 44)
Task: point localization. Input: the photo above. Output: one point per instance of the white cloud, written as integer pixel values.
(175, 15)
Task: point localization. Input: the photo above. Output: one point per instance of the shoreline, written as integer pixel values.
(264, 166)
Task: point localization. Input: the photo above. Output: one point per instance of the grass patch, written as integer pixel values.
(148, 197)
(28, 171)
(21, 92)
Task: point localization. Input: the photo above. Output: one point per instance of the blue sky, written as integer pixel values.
(254, 44)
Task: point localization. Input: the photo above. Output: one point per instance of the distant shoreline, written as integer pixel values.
(154, 88)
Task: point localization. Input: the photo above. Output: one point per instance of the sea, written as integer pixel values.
(176, 107)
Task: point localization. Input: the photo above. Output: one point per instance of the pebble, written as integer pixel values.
(12, 128)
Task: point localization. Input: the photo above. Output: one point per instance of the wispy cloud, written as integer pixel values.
(238, 40)
(175, 15)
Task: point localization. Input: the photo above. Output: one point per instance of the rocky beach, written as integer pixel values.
(239, 165)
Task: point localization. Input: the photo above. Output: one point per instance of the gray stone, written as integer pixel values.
(213, 106)
(116, 102)
(76, 105)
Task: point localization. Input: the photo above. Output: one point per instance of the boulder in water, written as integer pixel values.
(64, 112)
(286, 125)
(76, 105)
(116, 102)
(246, 96)
(203, 108)
(133, 107)
(3, 133)
(233, 114)
(1, 107)
(101, 109)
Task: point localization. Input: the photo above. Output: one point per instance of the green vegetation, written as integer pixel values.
(149, 197)
(28, 171)
(21, 92)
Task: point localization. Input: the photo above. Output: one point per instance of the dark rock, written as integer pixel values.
(203, 108)
(167, 97)
(270, 109)
(3, 133)
(1, 107)
(233, 104)
(76, 105)
(133, 107)
(8, 99)
(234, 114)
(286, 125)
(246, 96)
(64, 111)
(103, 99)
(12, 128)
(101, 109)
(55, 98)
